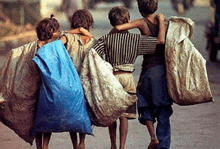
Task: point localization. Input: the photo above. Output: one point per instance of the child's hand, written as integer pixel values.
(162, 29)
(161, 17)
(63, 39)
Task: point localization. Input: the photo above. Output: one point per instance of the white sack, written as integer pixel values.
(105, 95)
(187, 78)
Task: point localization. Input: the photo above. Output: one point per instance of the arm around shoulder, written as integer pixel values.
(162, 29)
(81, 30)
(126, 26)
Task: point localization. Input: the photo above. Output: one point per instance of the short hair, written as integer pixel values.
(147, 7)
(118, 15)
(82, 18)
(46, 27)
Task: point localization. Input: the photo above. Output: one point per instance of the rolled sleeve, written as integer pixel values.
(147, 45)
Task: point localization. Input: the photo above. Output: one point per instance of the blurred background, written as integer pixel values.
(193, 127)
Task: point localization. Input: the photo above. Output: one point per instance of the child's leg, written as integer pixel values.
(112, 133)
(73, 137)
(82, 137)
(46, 140)
(38, 140)
(146, 117)
(154, 141)
(163, 127)
(123, 131)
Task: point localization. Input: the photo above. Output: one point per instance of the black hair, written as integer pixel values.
(46, 27)
(147, 7)
(82, 18)
(118, 15)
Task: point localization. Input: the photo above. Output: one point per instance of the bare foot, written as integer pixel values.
(81, 146)
(113, 147)
(153, 144)
(122, 147)
(1, 101)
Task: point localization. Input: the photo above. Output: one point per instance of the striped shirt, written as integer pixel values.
(122, 49)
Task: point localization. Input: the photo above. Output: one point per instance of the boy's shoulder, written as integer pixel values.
(112, 35)
(70, 36)
(119, 37)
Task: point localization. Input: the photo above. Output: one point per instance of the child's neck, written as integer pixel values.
(41, 43)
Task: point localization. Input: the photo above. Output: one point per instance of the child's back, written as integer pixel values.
(154, 102)
(148, 25)
(121, 51)
(158, 57)
(152, 88)
(150, 22)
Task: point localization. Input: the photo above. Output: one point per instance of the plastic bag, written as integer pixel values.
(61, 105)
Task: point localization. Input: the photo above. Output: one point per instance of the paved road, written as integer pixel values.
(193, 127)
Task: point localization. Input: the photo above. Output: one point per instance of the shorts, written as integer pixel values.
(128, 82)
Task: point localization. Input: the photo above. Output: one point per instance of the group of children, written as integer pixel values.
(121, 48)
(77, 41)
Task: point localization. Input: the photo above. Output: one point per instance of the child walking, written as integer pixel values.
(121, 50)
(47, 30)
(78, 42)
(154, 103)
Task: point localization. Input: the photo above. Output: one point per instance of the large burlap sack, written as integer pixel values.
(106, 97)
(187, 78)
(19, 86)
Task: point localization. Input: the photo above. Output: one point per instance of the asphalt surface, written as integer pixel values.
(193, 127)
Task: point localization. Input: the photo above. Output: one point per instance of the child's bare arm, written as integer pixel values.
(126, 26)
(80, 30)
(162, 29)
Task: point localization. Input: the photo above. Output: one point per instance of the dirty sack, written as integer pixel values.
(61, 105)
(105, 96)
(19, 86)
(187, 78)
